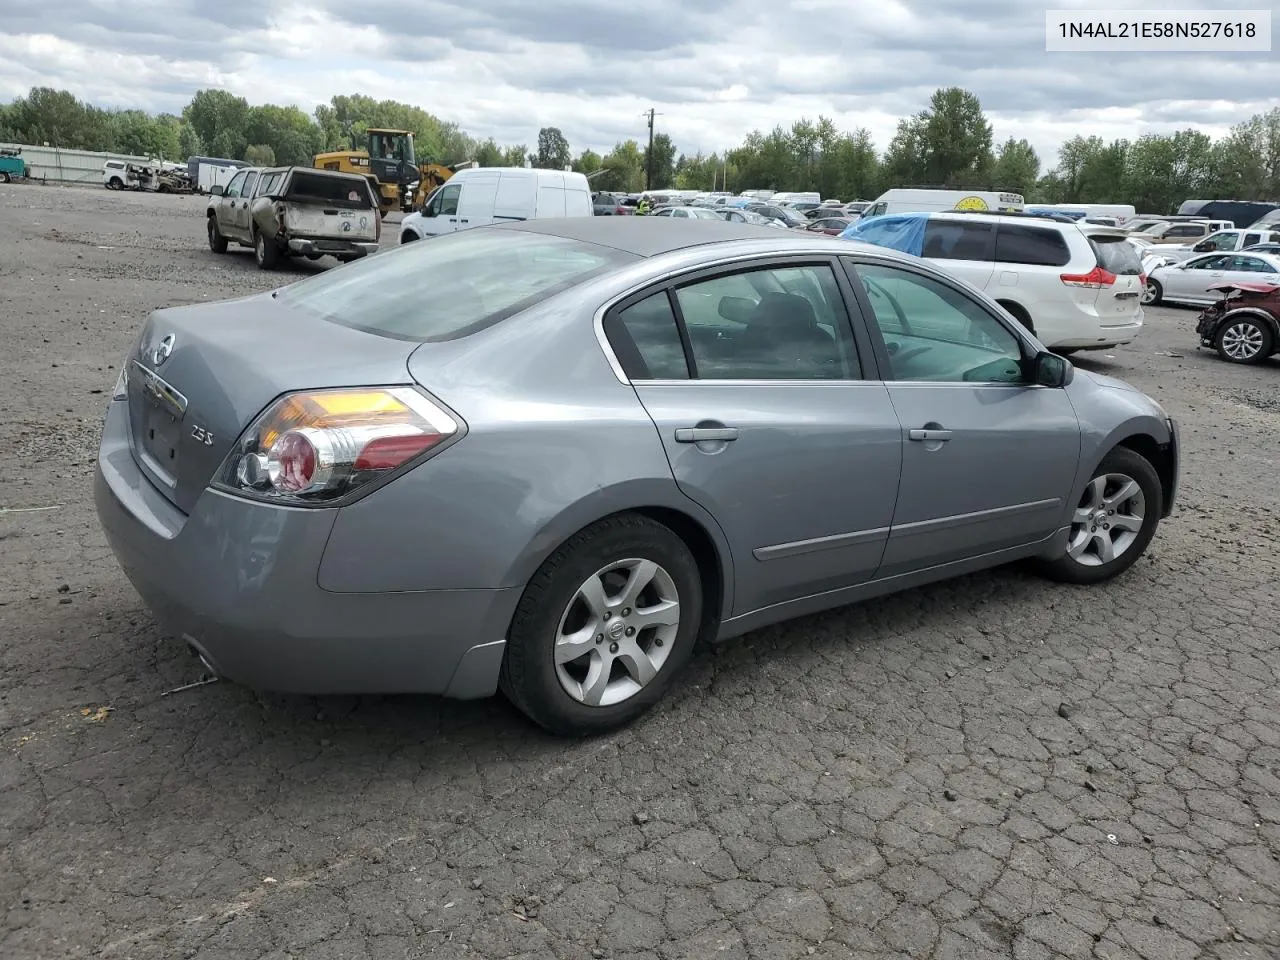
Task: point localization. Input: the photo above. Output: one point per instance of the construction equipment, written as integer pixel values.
(388, 161)
(12, 165)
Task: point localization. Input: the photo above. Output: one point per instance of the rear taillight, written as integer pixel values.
(320, 447)
(1142, 279)
(1095, 279)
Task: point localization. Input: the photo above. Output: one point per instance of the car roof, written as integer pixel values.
(644, 236)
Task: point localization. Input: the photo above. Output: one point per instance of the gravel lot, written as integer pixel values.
(994, 767)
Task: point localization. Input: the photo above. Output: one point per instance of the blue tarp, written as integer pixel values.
(897, 231)
(1075, 214)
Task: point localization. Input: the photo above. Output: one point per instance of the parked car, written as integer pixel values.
(423, 499)
(1224, 241)
(832, 226)
(746, 216)
(688, 213)
(480, 196)
(115, 174)
(1075, 286)
(1195, 281)
(1263, 248)
(773, 211)
(1182, 232)
(1243, 324)
(611, 205)
(284, 212)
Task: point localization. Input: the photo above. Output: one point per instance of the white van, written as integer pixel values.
(485, 195)
(810, 196)
(908, 200)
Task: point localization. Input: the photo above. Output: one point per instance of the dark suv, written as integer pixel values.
(1244, 326)
(611, 205)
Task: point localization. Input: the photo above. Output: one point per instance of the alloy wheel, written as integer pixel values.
(1242, 341)
(617, 632)
(1108, 519)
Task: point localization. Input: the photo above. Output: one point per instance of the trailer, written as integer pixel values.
(208, 172)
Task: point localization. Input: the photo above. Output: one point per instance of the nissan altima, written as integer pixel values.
(551, 456)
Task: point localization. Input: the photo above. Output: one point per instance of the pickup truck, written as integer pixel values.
(1224, 241)
(294, 211)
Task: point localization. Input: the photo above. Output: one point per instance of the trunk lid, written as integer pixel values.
(322, 204)
(1121, 300)
(200, 374)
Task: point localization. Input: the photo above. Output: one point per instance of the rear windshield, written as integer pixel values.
(346, 192)
(1116, 254)
(451, 286)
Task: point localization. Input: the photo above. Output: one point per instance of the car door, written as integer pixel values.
(988, 460)
(965, 248)
(229, 205)
(476, 201)
(1191, 281)
(241, 210)
(771, 420)
(1243, 268)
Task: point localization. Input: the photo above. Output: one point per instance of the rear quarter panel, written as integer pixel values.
(529, 473)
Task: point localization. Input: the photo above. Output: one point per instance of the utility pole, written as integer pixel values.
(648, 172)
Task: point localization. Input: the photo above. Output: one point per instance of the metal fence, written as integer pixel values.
(69, 166)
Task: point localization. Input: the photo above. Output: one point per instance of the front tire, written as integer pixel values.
(1113, 523)
(1152, 293)
(604, 627)
(1244, 340)
(217, 242)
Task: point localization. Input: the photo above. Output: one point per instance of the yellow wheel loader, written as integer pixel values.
(388, 161)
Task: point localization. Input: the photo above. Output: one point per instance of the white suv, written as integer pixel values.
(1075, 286)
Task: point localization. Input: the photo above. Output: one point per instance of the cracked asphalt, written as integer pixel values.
(994, 767)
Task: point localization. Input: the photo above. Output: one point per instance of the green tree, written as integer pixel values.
(956, 138)
(553, 150)
(219, 119)
(260, 155)
(515, 156)
(1165, 170)
(661, 163)
(587, 162)
(294, 138)
(489, 154)
(1017, 167)
(905, 161)
(625, 166)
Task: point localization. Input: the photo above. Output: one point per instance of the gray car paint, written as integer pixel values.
(411, 588)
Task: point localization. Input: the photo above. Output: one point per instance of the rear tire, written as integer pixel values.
(217, 242)
(1113, 523)
(1244, 340)
(265, 251)
(603, 627)
(4, 177)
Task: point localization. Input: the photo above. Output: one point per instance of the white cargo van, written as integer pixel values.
(485, 195)
(924, 200)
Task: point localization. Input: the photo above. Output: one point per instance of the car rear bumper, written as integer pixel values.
(1091, 334)
(238, 581)
(318, 246)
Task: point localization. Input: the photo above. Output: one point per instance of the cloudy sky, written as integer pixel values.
(714, 69)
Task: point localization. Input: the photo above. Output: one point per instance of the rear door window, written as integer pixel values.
(957, 240)
(646, 338)
(1037, 246)
(250, 181)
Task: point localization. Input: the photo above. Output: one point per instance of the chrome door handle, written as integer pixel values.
(930, 434)
(703, 434)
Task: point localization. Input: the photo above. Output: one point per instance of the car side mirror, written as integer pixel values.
(1051, 370)
(1203, 246)
(736, 309)
(216, 190)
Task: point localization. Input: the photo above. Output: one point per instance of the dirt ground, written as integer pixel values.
(990, 768)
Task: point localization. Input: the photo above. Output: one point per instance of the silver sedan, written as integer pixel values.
(551, 456)
(1190, 280)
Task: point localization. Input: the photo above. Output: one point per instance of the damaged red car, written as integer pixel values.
(1244, 326)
